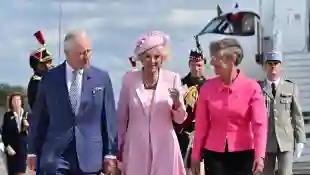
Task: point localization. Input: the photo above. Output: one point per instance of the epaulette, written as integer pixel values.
(290, 81)
(36, 78)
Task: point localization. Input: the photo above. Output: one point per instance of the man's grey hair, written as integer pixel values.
(71, 36)
(227, 47)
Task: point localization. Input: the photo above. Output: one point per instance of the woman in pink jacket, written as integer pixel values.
(231, 117)
(149, 101)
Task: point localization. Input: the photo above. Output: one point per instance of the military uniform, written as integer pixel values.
(185, 130)
(33, 88)
(286, 124)
(37, 57)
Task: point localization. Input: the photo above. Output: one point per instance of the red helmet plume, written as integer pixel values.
(39, 37)
(132, 62)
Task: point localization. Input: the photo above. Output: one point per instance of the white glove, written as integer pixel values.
(299, 149)
(2, 147)
(10, 151)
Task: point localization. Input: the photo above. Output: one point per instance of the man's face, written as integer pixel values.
(273, 69)
(197, 68)
(80, 53)
(49, 64)
(45, 65)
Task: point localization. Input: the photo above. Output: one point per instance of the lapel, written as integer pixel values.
(63, 88)
(158, 91)
(279, 88)
(12, 120)
(17, 121)
(267, 89)
(140, 91)
(86, 89)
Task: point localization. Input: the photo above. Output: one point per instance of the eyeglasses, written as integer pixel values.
(85, 52)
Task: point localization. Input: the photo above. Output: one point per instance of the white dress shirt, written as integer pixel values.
(276, 82)
(18, 118)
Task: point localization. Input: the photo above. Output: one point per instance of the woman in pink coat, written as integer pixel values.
(149, 101)
(231, 117)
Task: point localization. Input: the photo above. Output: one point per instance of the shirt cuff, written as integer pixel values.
(109, 157)
(31, 155)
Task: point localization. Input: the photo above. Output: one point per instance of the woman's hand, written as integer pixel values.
(175, 96)
(258, 166)
(195, 167)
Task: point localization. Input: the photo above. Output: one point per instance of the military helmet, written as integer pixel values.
(41, 55)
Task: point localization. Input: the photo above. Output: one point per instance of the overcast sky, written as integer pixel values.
(113, 26)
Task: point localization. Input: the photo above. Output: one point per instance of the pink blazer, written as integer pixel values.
(235, 113)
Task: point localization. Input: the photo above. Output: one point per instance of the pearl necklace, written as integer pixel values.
(152, 85)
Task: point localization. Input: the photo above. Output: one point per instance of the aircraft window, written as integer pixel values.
(240, 24)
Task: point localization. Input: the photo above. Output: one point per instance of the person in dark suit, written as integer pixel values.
(73, 125)
(14, 135)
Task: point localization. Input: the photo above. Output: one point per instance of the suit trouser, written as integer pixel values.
(285, 163)
(229, 163)
(38, 170)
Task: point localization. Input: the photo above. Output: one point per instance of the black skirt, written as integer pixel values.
(16, 163)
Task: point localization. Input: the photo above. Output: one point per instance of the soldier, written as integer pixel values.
(193, 80)
(286, 124)
(40, 61)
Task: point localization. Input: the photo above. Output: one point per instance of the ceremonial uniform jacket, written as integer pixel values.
(33, 88)
(188, 125)
(285, 123)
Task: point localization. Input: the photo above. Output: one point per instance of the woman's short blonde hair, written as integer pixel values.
(163, 50)
(227, 47)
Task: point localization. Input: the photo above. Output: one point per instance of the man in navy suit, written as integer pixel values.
(73, 126)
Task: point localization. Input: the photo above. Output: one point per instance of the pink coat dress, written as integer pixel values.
(147, 140)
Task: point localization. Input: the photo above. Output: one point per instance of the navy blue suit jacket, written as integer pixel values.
(53, 124)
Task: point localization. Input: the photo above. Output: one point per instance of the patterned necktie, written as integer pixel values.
(73, 92)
